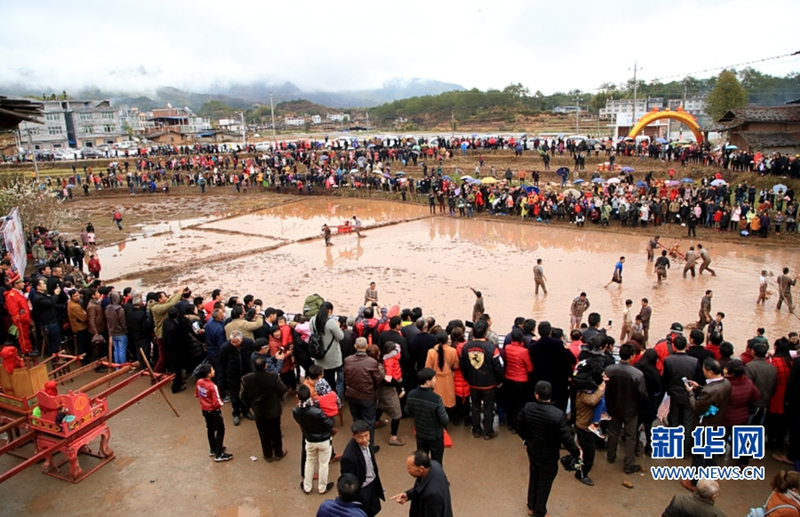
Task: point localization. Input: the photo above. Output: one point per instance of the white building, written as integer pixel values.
(617, 106)
(316, 119)
(695, 105)
(230, 124)
(337, 117)
(180, 120)
(567, 109)
(134, 118)
(75, 123)
(294, 121)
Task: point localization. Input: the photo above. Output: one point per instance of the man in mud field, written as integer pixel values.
(691, 262)
(651, 248)
(785, 283)
(576, 310)
(706, 260)
(538, 277)
(705, 310)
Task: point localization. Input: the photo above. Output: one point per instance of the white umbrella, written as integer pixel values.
(613, 180)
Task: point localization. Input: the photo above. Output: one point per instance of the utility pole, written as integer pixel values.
(367, 112)
(453, 123)
(577, 114)
(635, 89)
(272, 110)
(244, 137)
(33, 155)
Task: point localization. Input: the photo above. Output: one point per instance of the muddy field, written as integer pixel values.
(270, 246)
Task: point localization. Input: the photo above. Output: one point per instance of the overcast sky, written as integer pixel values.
(326, 45)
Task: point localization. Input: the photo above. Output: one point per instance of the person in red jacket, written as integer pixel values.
(743, 395)
(94, 266)
(462, 408)
(211, 405)
(664, 347)
(518, 366)
(20, 312)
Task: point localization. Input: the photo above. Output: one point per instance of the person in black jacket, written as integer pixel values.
(263, 391)
(543, 429)
(46, 316)
(483, 369)
(174, 348)
(234, 361)
(354, 461)
(317, 431)
(552, 363)
(139, 330)
(652, 381)
(430, 495)
(430, 417)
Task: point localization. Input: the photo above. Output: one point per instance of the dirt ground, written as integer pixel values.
(162, 468)
(161, 464)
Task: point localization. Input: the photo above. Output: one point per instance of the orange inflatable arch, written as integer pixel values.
(679, 115)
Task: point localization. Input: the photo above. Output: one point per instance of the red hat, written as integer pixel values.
(14, 277)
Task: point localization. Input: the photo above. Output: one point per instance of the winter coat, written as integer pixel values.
(445, 377)
(518, 362)
(743, 394)
(96, 316)
(461, 386)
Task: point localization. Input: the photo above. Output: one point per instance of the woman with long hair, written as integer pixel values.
(326, 326)
(518, 368)
(443, 359)
(461, 388)
(775, 423)
(652, 382)
(388, 398)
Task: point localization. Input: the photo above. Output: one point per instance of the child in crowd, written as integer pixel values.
(211, 404)
(391, 363)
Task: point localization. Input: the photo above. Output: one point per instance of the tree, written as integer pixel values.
(517, 90)
(128, 129)
(599, 101)
(727, 94)
(38, 205)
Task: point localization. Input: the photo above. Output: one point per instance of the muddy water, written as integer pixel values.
(305, 217)
(431, 263)
(178, 249)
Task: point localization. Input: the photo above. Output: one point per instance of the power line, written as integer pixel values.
(729, 66)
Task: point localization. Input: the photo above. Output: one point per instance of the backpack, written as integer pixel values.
(761, 511)
(370, 332)
(311, 305)
(315, 347)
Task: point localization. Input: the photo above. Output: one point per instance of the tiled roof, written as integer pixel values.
(770, 139)
(14, 111)
(789, 113)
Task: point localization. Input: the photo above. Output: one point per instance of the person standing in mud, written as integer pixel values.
(705, 310)
(576, 310)
(762, 287)
(479, 308)
(616, 277)
(538, 277)
(785, 283)
(661, 266)
(651, 248)
(327, 233)
(357, 226)
(691, 262)
(706, 260)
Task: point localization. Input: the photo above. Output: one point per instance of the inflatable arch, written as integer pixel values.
(679, 115)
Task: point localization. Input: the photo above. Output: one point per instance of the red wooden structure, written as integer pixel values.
(66, 424)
